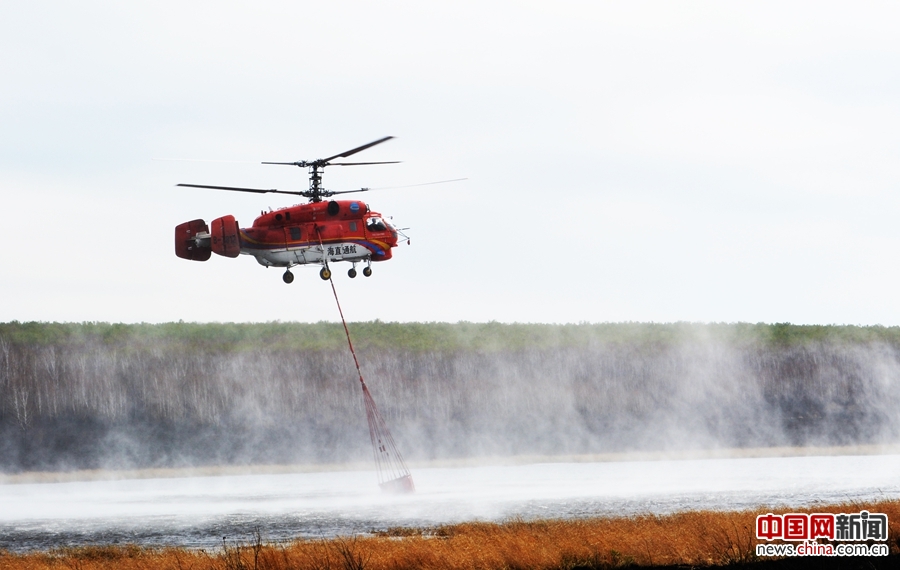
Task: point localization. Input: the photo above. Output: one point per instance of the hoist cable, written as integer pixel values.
(393, 475)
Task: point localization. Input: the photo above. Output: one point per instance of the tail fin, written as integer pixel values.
(192, 241)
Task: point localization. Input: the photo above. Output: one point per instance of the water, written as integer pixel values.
(198, 511)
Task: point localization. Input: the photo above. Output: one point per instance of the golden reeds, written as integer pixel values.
(701, 538)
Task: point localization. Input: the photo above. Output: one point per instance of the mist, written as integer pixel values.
(176, 395)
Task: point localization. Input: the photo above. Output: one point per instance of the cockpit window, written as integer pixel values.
(375, 225)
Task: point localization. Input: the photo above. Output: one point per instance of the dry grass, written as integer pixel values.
(700, 538)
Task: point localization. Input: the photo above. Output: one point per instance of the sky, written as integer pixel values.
(625, 161)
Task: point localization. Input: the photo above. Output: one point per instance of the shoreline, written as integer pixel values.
(690, 539)
(38, 477)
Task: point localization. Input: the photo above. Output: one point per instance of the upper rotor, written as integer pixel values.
(315, 193)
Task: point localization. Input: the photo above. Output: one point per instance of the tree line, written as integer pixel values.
(96, 395)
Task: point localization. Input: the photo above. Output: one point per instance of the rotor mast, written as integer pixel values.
(315, 181)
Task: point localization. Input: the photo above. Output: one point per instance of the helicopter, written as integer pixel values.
(319, 232)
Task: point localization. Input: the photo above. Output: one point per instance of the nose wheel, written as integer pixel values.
(288, 277)
(367, 271)
(325, 274)
(352, 272)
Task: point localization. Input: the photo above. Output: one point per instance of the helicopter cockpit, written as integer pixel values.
(375, 224)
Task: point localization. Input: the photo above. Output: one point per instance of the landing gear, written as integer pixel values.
(352, 272)
(288, 276)
(325, 274)
(367, 271)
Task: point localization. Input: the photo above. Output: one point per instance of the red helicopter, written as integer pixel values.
(318, 232)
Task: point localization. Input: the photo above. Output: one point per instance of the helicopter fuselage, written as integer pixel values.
(314, 233)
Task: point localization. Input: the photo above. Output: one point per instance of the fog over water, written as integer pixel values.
(199, 511)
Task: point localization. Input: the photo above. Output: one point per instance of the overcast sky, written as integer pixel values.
(628, 161)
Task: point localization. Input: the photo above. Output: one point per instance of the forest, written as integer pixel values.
(100, 395)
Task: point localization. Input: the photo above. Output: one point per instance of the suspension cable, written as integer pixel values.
(346, 331)
(393, 475)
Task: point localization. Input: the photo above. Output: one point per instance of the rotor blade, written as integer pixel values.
(287, 163)
(332, 193)
(253, 190)
(204, 160)
(347, 153)
(423, 184)
(359, 163)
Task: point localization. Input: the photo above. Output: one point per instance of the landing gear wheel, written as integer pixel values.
(352, 273)
(288, 277)
(325, 274)
(367, 271)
